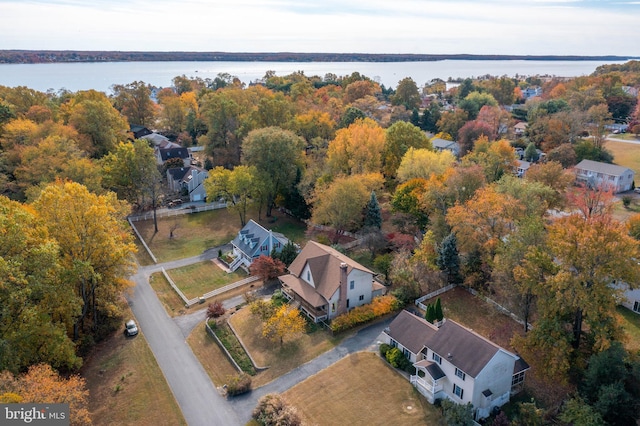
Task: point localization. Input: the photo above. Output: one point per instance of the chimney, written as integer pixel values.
(342, 298)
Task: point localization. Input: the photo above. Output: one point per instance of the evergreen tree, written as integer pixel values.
(448, 258)
(530, 153)
(373, 215)
(430, 313)
(439, 316)
(415, 117)
(288, 253)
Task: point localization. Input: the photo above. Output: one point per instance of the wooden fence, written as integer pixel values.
(178, 211)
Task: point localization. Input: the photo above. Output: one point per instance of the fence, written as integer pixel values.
(142, 241)
(226, 352)
(438, 292)
(176, 212)
(499, 307)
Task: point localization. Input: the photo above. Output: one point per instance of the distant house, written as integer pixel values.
(326, 283)
(443, 144)
(456, 363)
(252, 241)
(190, 179)
(165, 154)
(520, 128)
(522, 167)
(531, 92)
(139, 131)
(594, 173)
(629, 298)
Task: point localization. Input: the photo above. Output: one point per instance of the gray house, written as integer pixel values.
(456, 363)
(190, 179)
(252, 241)
(608, 176)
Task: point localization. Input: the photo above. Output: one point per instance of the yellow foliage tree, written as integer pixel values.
(357, 149)
(286, 322)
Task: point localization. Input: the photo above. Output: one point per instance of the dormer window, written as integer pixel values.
(308, 276)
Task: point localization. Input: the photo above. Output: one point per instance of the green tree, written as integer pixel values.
(35, 306)
(399, 137)
(276, 155)
(96, 250)
(474, 101)
(350, 116)
(423, 163)
(235, 186)
(373, 214)
(457, 414)
(531, 153)
(92, 115)
(576, 411)
(407, 94)
(438, 310)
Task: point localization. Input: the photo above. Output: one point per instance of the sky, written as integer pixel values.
(509, 27)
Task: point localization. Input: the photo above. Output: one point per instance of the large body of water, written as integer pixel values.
(102, 75)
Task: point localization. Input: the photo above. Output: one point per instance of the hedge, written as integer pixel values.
(378, 307)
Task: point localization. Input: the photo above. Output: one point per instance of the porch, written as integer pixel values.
(426, 387)
(316, 313)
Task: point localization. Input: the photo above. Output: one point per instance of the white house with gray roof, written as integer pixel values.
(456, 363)
(608, 176)
(252, 241)
(445, 145)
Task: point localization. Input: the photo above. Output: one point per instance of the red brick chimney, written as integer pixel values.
(342, 299)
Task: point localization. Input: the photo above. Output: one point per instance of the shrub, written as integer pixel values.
(273, 410)
(238, 384)
(394, 357)
(384, 348)
(378, 307)
(215, 310)
(626, 200)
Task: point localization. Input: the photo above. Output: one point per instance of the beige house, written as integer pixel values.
(326, 283)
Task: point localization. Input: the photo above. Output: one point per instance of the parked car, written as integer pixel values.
(130, 328)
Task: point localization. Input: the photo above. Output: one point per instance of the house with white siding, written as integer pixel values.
(190, 179)
(604, 175)
(326, 283)
(454, 362)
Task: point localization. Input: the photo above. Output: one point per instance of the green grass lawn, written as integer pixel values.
(200, 278)
(196, 232)
(626, 154)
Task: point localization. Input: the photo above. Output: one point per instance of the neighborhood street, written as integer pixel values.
(200, 402)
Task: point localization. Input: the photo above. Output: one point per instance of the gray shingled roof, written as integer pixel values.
(255, 233)
(411, 331)
(465, 349)
(598, 167)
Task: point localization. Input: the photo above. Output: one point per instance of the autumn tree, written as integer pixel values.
(235, 186)
(130, 171)
(35, 307)
(407, 94)
(452, 121)
(406, 199)
(357, 149)
(276, 154)
(267, 268)
(496, 158)
(341, 204)
(95, 248)
(474, 101)
(399, 137)
(286, 322)
(42, 385)
(222, 114)
(92, 114)
(133, 100)
(422, 163)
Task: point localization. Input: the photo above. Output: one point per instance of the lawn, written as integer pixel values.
(196, 232)
(631, 324)
(127, 386)
(210, 355)
(361, 389)
(200, 278)
(279, 359)
(625, 154)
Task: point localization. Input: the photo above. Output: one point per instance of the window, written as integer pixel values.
(406, 353)
(361, 298)
(460, 374)
(458, 391)
(636, 306)
(393, 343)
(347, 303)
(517, 378)
(436, 358)
(352, 285)
(308, 276)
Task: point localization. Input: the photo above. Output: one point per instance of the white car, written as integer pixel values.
(130, 328)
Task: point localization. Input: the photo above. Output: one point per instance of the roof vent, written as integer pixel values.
(343, 265)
